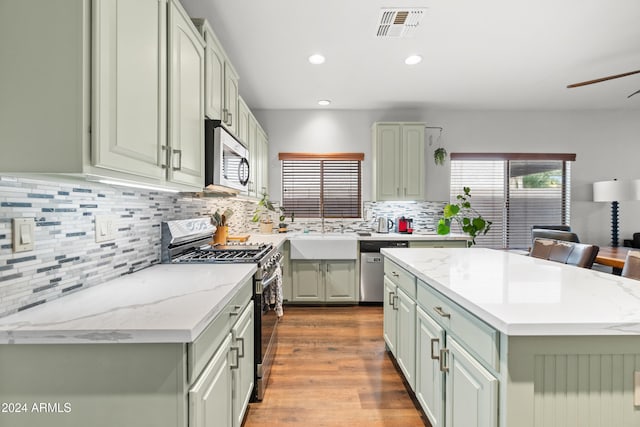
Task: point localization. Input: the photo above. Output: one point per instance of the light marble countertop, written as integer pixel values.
(165, 303)
(375, 236)
(521, 295)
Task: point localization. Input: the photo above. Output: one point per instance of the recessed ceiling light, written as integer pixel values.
(413, 60)
(316, 59)
(324, 102)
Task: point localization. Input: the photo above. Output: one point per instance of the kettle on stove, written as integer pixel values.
(384, 225)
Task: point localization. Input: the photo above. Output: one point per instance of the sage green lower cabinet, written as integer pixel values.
(210, 399)
(471, 390)
(406, 337)
(429, 376)
(204, 383)
(389, 312)
(328, 281)
(286, 271)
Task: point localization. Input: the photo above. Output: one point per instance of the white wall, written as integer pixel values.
(605, 143)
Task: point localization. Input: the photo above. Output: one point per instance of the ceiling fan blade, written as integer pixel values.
(634, 93)
(603, 79)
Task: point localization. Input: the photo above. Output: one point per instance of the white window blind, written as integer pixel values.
(321, 185)
(515, 191)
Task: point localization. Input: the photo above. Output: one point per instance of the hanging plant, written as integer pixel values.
(439, 156)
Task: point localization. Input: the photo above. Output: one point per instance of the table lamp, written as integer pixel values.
(613, 191)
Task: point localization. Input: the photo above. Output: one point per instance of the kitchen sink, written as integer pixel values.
(324, 246)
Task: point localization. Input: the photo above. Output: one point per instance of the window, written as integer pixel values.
(327, 184)
(514, 191)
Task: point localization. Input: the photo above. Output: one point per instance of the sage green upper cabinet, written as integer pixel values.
(399, 165)
(243, 122)
(262, 170)
(129, 81)
(186, 99)
(230, 110)
(214, 71)
(252, 145)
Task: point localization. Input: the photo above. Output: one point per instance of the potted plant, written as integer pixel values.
(282, 227)
(469, 220)
(439, 156)
(262, 214)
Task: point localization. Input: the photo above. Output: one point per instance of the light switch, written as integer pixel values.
(105, 228)
(636, 386)
(23, 234)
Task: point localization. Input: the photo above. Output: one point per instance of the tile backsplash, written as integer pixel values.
(66, 257)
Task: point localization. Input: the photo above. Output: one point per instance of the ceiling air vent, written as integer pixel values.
(399, 22)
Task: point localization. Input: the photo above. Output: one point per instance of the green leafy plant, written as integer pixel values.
(263, 209)
(439, 156)
(469, 220)
(220, 219)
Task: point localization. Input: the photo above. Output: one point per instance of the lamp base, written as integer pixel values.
(614, 224)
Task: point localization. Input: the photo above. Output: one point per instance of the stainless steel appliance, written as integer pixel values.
(384, 225)
(226, 159)
(372, 268)
(187, 241)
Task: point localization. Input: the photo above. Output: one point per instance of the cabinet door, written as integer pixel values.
(390, 316)
(214, 76)
(413, 162)
(307, 281)
(129, 86)
(429, 378)
(340, 281)
(253, 155)
(210, 396)
(230, 113)
(243, 375)
(243, 121)
(406, 337)
(388, 162)
(263, 168)
(471, 391)
(186, 101)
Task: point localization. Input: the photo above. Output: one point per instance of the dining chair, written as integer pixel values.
(567, 236)
(560, 251)
(541, 248)
(631, 267)
(553, 227)
(583, 255)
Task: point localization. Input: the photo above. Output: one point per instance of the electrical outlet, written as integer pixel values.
(105, 228)
(23, 234)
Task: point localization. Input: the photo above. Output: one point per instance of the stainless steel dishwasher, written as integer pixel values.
(372, 268)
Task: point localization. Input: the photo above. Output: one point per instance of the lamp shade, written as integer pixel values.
(614, 191)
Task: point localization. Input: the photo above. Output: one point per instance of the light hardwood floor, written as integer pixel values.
(331, 369)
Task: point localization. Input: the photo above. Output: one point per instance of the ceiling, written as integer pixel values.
(493, 54)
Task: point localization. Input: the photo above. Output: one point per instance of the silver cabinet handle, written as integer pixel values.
(230, 119)
(433, 341)
(179, 153)
(224, 115)
(394, 274)
(395, 299)
(236, 310)
(397, 191)
(241, 353)
(391, 296)
(237, 350)
(164, 157)
(441, 312)
(443, 355)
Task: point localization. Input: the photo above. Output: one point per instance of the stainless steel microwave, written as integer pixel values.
(226, 159)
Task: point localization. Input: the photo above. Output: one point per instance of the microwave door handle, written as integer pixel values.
(244, 166)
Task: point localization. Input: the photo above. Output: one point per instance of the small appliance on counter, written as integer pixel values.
(404, 225)
(383, 225)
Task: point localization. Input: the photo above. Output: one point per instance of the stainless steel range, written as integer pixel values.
(188, 241)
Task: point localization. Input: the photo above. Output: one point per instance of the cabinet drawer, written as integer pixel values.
(200, 351)
(398, 275)
(478, 337)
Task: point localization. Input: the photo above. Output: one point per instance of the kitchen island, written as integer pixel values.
(164, 346)
(488, 337)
